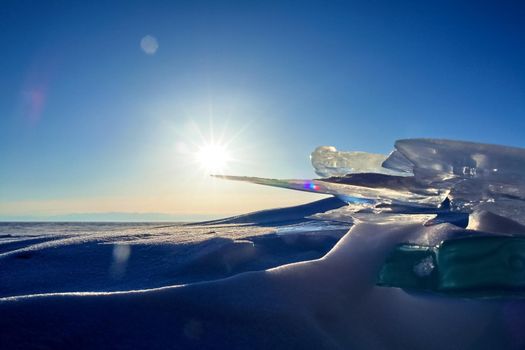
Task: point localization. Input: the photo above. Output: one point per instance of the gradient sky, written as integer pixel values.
(91, 123)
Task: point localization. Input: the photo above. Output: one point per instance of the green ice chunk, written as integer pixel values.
(482, 263)
(482, 266)
(410, 266)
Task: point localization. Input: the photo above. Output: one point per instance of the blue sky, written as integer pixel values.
(90, 123)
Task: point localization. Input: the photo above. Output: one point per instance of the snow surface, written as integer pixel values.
(328, 303)
(73, 257)
(282, 278)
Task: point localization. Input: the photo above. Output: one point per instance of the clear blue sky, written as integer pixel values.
(91, 123)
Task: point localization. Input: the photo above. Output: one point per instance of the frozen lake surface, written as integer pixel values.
(37, 258)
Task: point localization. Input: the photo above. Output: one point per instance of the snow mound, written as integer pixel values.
(106, 257)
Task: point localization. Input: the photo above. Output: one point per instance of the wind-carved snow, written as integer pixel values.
(421, 176)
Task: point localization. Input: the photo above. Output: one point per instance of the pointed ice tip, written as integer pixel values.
(231, 177)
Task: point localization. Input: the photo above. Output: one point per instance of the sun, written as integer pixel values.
(212, 157)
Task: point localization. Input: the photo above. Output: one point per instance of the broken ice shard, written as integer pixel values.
(328, 161)
(432, 182)
(478, 176)
(420, 175)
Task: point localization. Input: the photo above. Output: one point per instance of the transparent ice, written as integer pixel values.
(421, 176)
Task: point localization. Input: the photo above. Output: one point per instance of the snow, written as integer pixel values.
(119, 257)
(302, 277)
(327, 303)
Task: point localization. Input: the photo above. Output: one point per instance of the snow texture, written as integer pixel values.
(327, 303)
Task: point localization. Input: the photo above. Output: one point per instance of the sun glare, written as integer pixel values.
(213, 157)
